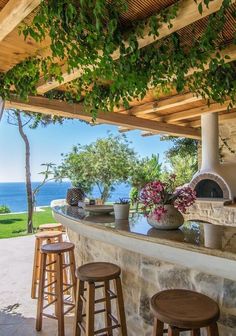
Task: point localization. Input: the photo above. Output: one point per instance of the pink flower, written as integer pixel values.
(156, 194)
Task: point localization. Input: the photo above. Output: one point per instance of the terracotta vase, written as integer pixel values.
(172, 219)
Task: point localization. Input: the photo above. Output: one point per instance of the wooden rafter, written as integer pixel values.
(188, 13)
(61, 108)
(223, 118)
(122, 129)
(13, 13)
(162, 105)
(196, 112)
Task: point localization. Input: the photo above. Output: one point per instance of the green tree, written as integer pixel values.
(182, 167)
(21, 119)
(183, 147)
(144, 170)
(103, 163)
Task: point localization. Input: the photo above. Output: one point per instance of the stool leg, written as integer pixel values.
(120, 307)
(49, 274)
(90, 309)
(212, 330)
(78, 308)
(172, 331)
(158, 328)
(196, 332)
(35, 270)
(108, 320)
(72, 272)
(59, 295)
(41, 292)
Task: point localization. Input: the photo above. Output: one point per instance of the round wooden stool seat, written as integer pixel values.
(98, 271)
(51, 226)
(57, 247)
(48, 234)
(184, 310)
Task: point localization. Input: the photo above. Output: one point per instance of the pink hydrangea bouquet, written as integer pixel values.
(155, 195)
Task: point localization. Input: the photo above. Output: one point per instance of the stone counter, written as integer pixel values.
(154, 260)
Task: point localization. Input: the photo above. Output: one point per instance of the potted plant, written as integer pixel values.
(163, 204)
(121, 209)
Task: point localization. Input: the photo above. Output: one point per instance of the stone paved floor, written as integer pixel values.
(17, 309)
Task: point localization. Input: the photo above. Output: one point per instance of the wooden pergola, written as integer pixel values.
(172, 113)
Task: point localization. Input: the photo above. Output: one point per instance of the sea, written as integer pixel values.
(14, 194)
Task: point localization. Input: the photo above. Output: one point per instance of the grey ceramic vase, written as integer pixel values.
(171, 220)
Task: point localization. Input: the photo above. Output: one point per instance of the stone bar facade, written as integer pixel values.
(143, 276)
(214, 212)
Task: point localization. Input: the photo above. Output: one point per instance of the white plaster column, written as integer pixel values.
(210, 141)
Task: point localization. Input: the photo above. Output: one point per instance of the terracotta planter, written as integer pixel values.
(171, 220)
(121, 211)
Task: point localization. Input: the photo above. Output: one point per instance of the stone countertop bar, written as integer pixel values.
(205, 247)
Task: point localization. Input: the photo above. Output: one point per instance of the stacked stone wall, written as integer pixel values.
(143, 276)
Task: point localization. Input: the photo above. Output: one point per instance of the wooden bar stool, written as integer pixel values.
(184, 310)
(51, 227)
(59, 289)
(45, 237)
(91, 277)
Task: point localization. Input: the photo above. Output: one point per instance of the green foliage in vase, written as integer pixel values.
(103, 164)
(89, 33)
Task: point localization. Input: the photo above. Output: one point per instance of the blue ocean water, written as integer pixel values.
(14, 194)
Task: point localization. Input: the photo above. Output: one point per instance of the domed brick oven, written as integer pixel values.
(215, 182)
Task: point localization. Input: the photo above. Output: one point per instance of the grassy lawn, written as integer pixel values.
(13, 225)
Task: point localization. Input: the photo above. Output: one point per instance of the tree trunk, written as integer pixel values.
(105, 193)
(27, 175)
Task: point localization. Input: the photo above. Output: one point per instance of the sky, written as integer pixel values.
(48, 143)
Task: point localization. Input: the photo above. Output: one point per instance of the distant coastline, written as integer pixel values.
(13, 194)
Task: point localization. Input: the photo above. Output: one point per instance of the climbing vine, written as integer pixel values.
(87, 34)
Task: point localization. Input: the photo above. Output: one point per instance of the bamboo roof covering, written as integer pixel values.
(171, 113)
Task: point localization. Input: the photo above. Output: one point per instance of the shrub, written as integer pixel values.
(4, 209)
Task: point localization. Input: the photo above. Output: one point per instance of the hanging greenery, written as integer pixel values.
(87, 33)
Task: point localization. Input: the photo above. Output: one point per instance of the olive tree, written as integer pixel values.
(103, 163)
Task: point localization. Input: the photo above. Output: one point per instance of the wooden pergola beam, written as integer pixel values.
(63, 109)
(196, 112)
(13, 13)
(223, 118)
(122, 129)
(187, 13)
(162, 104)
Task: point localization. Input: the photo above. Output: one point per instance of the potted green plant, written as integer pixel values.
(121, 208)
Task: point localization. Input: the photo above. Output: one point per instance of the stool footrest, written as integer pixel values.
(49, 316)
(69, 309)
(96, 312)
(113, 318)
(49, 304)
(106, 329)
(50, 284)
(104, 299)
